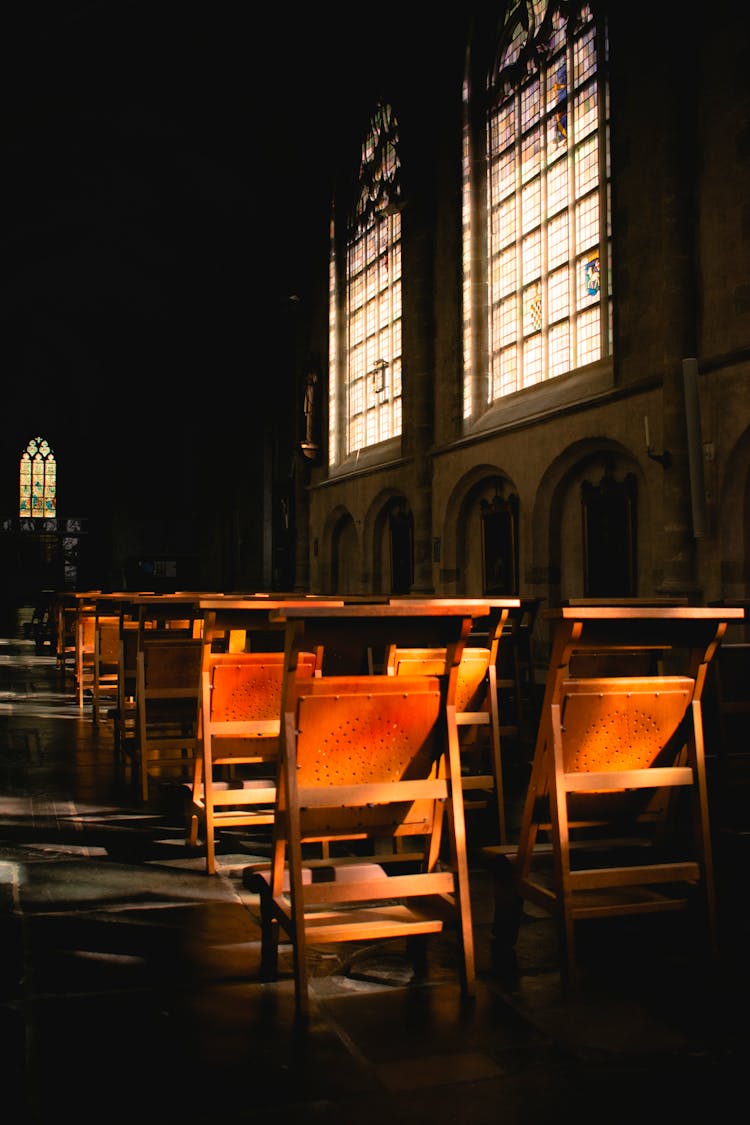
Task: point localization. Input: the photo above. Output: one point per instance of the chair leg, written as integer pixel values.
(497, 761)
(258, 884)
(416, 952)
(208, 822)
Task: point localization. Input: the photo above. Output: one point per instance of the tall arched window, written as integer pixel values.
(365, 375)
(38, 480)
(548, 242)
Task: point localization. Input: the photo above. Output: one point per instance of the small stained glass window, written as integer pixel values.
(38, 480)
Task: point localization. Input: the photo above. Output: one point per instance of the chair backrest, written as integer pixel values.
(612, 726)
(363, 755)
(169, 668)
(107, 642)
(241, 703)
(106, 659)
(471, 686)
(128, 658)
(168, 692)
(85, 645)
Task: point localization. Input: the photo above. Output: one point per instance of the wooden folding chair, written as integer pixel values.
(616, 749)
(65, 636)
(178, 615)
(234, 780)
(515, 668)
(477, 704)
(365, 760)
(168, 687)
(124, 714)
(106, 663)
(84, 655)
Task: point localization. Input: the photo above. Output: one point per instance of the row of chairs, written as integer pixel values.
(353, 749)
(132, 656)
(376, 761)
(241, 696)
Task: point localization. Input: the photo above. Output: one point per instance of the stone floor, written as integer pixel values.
(130, 989)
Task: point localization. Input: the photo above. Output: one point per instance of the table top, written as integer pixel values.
(630, 612)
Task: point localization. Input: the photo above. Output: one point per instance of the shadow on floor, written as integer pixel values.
(130, 987)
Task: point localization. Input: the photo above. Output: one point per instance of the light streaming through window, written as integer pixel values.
(548, 209)
(373, 292)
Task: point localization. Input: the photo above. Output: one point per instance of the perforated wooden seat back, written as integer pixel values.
(352, 748)
(364, 761)
(611, 729)
(471, 687)
(477, 709)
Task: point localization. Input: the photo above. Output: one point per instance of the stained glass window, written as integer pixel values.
(371, 373)
(547, 199)
(38, 480)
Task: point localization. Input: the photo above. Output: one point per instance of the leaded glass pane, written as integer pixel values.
(588, 336)
(586, 112)
(505, 223)
(559, 305)
(531, 203)
(532, 309)
(532, 256)
(559, 347)
(557, 241)
(530, 104)
(507, 373)
(506, 272)
(587, 221)
(532, 360)
(586, 166)
(507, 324)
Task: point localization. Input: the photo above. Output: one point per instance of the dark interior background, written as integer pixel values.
(167, 174)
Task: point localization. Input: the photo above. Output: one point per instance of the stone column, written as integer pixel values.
(678, 219)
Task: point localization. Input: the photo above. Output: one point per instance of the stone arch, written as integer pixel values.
(461, 538)
(557, 534)
(376, 538)
(340, 543)
(734, 534)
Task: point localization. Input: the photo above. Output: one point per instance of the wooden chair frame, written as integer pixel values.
(368, 758)
(612, 752)
(477, 701)
(234, 779)
(105, 674)
(168, 706)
